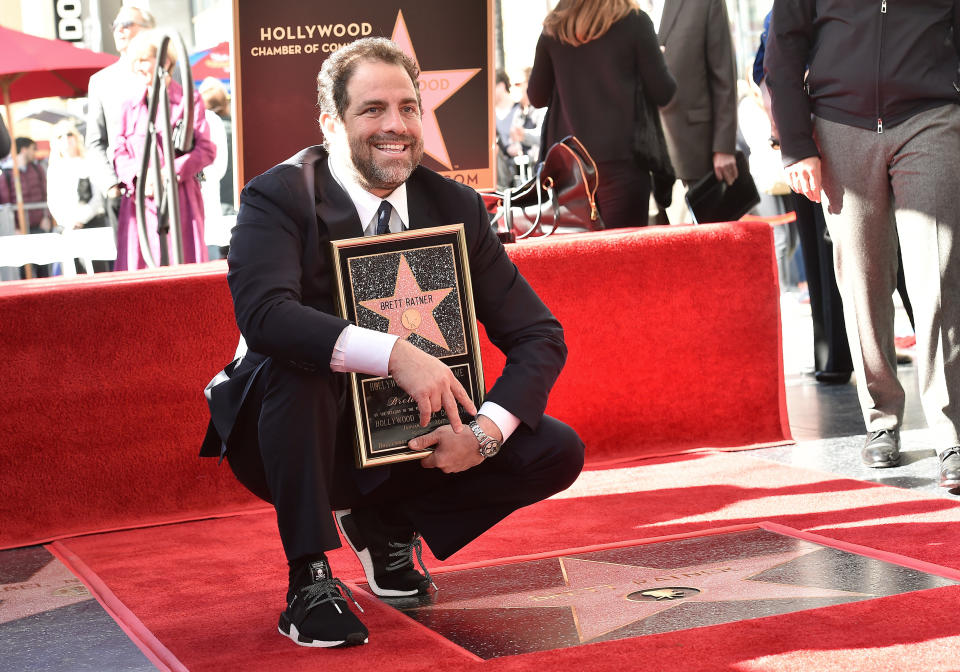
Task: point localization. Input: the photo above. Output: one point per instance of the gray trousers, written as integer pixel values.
(876, 187)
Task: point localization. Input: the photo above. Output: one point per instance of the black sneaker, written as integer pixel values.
(317, 613)
(386, 554)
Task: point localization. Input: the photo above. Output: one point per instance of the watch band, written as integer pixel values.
(489, 446)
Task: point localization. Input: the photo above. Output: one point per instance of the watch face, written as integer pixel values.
(490, 448)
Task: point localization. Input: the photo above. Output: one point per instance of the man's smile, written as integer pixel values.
(391, 147)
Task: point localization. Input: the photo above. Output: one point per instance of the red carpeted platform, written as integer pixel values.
(674, 341)
(205, 595)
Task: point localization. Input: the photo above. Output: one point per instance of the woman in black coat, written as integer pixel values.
(591, 58)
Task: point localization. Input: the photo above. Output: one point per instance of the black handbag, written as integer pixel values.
(562, 195)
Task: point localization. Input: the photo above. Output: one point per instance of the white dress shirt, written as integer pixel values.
(361, 350)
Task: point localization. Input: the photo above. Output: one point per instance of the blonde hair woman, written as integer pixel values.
(596, 67)
(72, 197)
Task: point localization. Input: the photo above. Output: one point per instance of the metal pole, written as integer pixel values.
(166, 192)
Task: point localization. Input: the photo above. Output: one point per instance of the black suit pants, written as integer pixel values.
(831, 352)
(305, 468)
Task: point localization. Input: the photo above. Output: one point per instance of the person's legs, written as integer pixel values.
(831, 354)
(296, 416)
(858, 211)
(623, 194)
(834, 326)
(923, 176)
(300, 417)
(450, 510)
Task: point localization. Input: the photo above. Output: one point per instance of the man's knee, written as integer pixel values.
(571, 450)
(563, 452)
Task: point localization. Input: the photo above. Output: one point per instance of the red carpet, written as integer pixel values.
(673, 332)
(210, 591)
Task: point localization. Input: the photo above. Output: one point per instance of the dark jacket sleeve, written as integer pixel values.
(785, 64)
(541, 83)
(267, 253)
(519, 324)
(658, 84)
(722, 78)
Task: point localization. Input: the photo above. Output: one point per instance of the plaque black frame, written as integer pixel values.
(363, 269)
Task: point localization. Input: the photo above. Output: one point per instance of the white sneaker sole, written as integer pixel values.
(367, 563)
(294, 636)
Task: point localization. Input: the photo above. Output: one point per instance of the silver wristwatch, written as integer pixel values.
(489, 446)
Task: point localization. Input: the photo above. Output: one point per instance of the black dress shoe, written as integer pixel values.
(950, 468)
(832, 377)
(881, 449)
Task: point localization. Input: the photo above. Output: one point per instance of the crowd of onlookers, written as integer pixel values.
(89, 178)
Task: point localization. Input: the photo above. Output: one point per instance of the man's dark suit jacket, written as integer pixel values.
(281, 278)
(702, 118)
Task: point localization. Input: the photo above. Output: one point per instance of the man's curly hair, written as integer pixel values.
(339, 68)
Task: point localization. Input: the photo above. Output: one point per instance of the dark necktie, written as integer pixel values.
(383, 217)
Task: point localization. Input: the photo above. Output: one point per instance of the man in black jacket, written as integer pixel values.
(865, 95)
(281, 414)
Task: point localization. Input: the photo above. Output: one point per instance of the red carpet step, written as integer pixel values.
(674, 345)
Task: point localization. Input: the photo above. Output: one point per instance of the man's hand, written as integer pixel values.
(114, 191)
(804, 177)
(46, 224)
(725, 167)
(431, 383)
(454, 452)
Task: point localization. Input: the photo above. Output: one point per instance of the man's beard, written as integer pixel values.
(389, 173)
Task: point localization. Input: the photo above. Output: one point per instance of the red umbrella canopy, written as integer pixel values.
(213, 62)
(35, 67)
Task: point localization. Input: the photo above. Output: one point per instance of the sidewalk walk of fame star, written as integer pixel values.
(410, 309)
(436, 87)
(52, 587)
(605, 596)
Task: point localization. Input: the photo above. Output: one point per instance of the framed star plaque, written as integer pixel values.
(416, 285)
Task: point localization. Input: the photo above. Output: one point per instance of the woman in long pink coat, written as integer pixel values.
(128, 156)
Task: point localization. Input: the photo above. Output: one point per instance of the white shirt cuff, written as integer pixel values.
(360, 350)
(505, 421)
